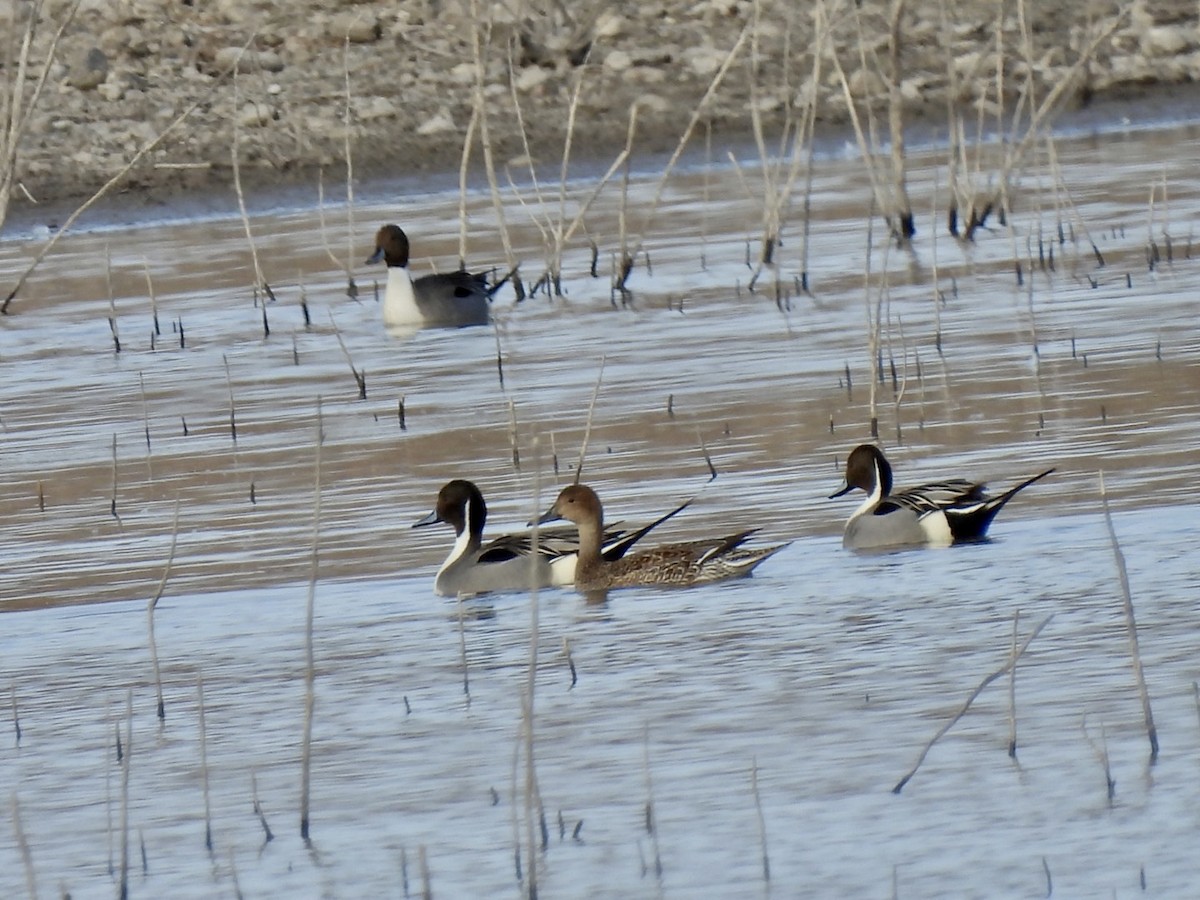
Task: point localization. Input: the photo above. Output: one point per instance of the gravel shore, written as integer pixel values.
(126, 69)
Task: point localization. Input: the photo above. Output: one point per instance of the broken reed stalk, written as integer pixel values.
(112, 302)
(31, 885)
(1012, 661)
(208, 842)
(268, 835)
(260, 282)
(153, 302)
(762, 822)
(115, 180)
(309, 664)
(16, 106)
(126, 762)
(512, 435)
(587, 431)
(146, 426)
(1131, 626)
(1102, 757)
(112, 506)
(162, 584)
(360, 377)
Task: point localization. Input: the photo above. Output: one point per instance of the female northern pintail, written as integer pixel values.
(443, 298)
(692, 562)
(942, 512)
(508, 563)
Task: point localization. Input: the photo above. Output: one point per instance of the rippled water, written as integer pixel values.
(826, 673)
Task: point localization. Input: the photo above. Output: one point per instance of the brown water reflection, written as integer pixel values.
(1111, 384)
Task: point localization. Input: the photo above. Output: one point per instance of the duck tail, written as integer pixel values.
(971, 523)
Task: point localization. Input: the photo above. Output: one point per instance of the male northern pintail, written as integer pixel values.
(692, 562)
(508, 563)
(942, 512)
(443, 298)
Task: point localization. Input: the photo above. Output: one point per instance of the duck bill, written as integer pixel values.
(431, 519)
(375, 257)
(550, 515)
(846, 488)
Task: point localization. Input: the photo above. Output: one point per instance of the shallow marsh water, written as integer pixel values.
(828, 671)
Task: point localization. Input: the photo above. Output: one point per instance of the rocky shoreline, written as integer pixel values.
(126, 70)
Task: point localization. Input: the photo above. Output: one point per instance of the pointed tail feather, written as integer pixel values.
(971, 523)
(620, 547)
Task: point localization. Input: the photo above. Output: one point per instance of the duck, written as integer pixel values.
(680, 564)
(940, 513)
(443, 298)
(508, 563)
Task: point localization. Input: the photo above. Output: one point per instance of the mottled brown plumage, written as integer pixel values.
(686, 563)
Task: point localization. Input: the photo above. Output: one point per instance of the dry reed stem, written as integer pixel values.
(866, 146)
(717, 78)
(1012, 661)
(127, 761)
(208, 841)
(115, 180)
(150, 607)
(112, 506)
(16, 718)
(762, 822)
(309, 664)
(463, 170)
(232, 405)
(108, 799)
(587, 431)
(651, 820)
(532, 793)
(146, 426)
(485, 140)
(345, 264)
(1012, 691)
(360, 377)
(907, 228)
(1101, 752)
(268, 835)
(462, 651)
(1039, 117)
(426, 883)
(351, 286)
(16, 109)
(873, 329)
(153, 301)
(31, 884)
(777, 191)
(112, 302)
(1131, 626)
(260, 280)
